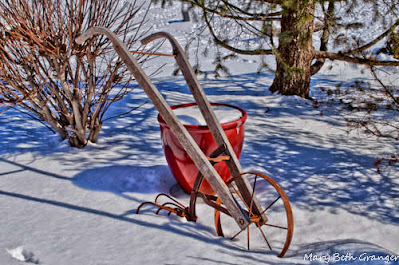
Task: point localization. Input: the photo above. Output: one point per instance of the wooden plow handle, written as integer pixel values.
(207, 112)
(201, 99)
(185, 139)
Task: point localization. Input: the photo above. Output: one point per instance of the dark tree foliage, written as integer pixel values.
(301, 35)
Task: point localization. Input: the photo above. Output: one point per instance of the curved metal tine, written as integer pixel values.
(145, 203)
(163, 207)
(170, 198)
(166, 208)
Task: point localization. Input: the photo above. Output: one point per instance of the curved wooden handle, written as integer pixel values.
(169, 116)
(204, 105)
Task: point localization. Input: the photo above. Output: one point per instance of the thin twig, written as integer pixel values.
(35, 118)
(125, 113)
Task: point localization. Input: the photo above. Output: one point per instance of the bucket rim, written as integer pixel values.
(204, 128)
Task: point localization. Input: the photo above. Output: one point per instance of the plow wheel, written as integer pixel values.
(273, 226)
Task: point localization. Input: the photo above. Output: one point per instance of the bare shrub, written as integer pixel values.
(68, 86)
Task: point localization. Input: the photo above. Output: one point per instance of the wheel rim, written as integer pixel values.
(276, 232)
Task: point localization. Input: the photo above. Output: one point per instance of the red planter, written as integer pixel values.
(181, 165)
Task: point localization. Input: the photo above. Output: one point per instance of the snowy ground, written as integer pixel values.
(68, 206)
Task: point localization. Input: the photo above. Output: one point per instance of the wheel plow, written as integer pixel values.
(251, 199)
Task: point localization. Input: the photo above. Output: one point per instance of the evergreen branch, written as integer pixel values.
(356, 60)
(373, 42)
(231, 48)
(390, 94)
(240, 10)
(253, 17)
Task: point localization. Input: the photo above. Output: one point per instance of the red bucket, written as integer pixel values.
(182, 167)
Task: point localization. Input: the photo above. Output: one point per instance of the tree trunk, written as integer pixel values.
(74, 142)
(95, 131)
(295, 51)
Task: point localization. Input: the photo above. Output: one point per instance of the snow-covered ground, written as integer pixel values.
(69, 206)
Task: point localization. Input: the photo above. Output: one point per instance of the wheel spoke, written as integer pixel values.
(239, 195)
(282, 230)
(277, 226)
(270, 205)
(252, 197)
(264, 236)
(248, 237)
(239, 232)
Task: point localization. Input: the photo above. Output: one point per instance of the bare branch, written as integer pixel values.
(43, 70)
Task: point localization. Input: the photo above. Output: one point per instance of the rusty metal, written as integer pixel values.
(179, 209)
(250, 210)
(190, 212)
(257, 218)
(218, 223)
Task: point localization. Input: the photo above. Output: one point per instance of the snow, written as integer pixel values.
(70, 206)
(22, 254)
(192, 115)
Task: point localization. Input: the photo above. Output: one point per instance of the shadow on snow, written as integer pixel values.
(312, 174)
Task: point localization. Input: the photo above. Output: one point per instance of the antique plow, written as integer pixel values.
(248, 198)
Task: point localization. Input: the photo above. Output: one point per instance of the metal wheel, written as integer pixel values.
(273, 226)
